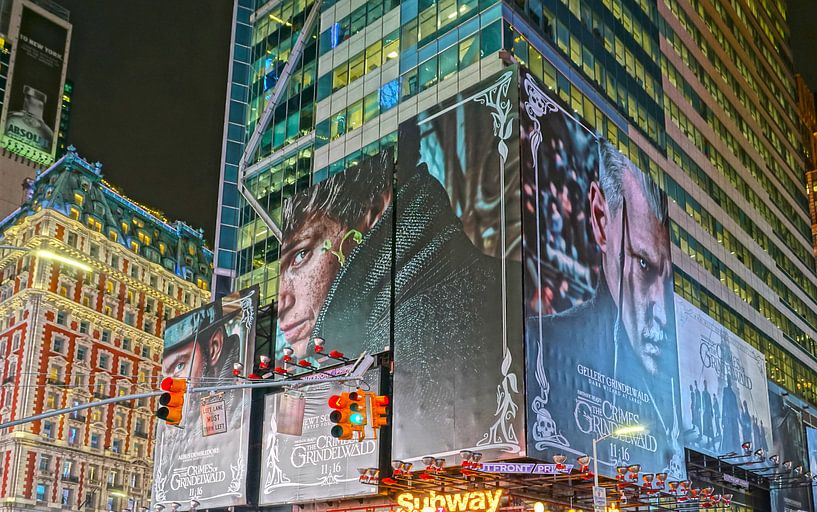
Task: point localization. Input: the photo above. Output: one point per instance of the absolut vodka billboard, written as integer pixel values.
(38, 63)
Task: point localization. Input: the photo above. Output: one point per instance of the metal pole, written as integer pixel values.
(204, 389)
(595, 464)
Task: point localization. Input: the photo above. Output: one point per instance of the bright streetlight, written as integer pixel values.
(621, 431)
(50, 255)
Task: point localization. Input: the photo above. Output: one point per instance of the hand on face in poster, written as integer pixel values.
(322, 228)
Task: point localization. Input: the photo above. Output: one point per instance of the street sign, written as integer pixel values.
(599, 498)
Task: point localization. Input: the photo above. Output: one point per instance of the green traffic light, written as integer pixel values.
(356, 419)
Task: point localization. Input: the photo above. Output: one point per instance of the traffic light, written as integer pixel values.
(340, 416)
(172, 400)
(358, 410)
(380, 411)
(349, 415)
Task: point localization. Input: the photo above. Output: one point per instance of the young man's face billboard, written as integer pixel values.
(323, 228)
(600, 334)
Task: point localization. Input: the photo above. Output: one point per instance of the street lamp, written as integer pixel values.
(49, 255)
(621, 431)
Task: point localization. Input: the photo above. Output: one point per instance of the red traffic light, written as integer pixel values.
(173, 385)
(172, 400)
(339, 401)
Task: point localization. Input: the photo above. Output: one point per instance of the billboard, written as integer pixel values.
(422, 258)
(39, 60)
(314, 465)
(724, 391)
(600, 336)
(205, 459)
(458, 352)
(335, 264)
(790, 445)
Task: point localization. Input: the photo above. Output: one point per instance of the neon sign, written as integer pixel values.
(473, 501)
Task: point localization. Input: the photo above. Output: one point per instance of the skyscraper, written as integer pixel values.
(700, 94)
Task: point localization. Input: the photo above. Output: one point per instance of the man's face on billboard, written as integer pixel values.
(307, 272)
(194, 359)
(647, 286)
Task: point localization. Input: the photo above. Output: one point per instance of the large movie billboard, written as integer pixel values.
(458, 353)
(206, 458)
(32, 114)
(335, 264)
(430, 266)
(600, 335)
(314, 465)
(724, 391)
(790, 445)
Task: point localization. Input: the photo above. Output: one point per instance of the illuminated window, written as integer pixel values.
(355, 115)
(134, 246)
(113, 235)
(162, 248)
(356, 67)
(94, 224)
(125, 228)
(144, 238)
(74, 214)
(340, 77)
(391, 46)
(79, 199)
(373, 56)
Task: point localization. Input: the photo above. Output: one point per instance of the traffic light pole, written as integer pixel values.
(202, 389)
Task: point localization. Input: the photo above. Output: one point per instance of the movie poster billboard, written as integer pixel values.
(724, 390)
(600, 333)
(205, 459)
(314, 465)
(458, 351)
(38, 63)
(811, 441)
(429, 266)
(789, 443)
(335, 265)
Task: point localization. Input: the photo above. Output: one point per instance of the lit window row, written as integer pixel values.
(374, 56)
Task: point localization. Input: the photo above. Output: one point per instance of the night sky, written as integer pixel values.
(149, 91)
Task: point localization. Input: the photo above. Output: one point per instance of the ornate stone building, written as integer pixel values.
(82, 311)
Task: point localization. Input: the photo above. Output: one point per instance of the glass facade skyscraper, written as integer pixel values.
(699, 93)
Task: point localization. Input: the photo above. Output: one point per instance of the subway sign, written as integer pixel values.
(472, 501)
